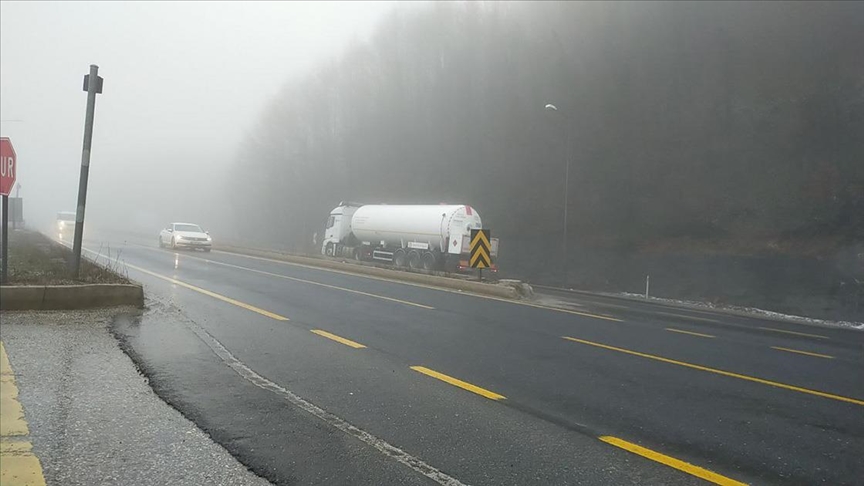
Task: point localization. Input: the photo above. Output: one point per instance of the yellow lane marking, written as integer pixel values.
(5, 366)
(16, 447)
(721, 372)
(338, 339)
(690, 333)
(584, 314)
(686, 316)
(456, 382)
(678, 464)
(211, 294)
(793, 332)
(18, 465)
(12, 421)
(262, 272)
(802, 352)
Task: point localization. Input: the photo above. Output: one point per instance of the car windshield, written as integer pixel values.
(188, 227)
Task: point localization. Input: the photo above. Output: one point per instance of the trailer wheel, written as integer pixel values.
(429, 261)
(399, 258)
(414, 260)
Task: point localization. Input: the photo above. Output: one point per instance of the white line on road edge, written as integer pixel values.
(383, 446)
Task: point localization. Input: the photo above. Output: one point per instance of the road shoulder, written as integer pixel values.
(18, 465)
(93, 419)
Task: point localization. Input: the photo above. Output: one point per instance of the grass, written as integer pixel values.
(34, 259)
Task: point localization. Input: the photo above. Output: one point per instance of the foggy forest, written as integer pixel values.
(698, 128)
(713, 147)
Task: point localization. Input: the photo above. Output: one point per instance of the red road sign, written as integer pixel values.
(8, 166)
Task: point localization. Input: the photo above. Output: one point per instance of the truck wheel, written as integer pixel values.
(414, 260)
(429, 261)
(329, 250)
(399, 258)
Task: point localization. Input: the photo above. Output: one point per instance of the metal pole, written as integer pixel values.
(647, 282)
(566, 194)
(5, 276)
(92, 86)
(18, 202)
(564, 250)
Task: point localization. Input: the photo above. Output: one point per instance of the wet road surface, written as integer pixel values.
(311, 376)
(93, 419)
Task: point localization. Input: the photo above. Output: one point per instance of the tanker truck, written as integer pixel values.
(420, 237)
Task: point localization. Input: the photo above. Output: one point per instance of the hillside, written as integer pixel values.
(706, 128)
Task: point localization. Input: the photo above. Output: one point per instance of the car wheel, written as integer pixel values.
(173, 243)
(161, 245)
(206, 250)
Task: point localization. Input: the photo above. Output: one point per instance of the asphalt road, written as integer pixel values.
(93, 419)
(455, 389)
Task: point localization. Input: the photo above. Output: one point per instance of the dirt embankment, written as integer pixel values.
(826, 284)
(34, 259)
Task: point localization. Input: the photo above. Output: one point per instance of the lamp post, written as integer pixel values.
(567, 128)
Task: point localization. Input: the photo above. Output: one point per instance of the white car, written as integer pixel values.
(66, 225)
(185, 235)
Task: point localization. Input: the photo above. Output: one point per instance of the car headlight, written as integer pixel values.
(209, 239)
(178, 237)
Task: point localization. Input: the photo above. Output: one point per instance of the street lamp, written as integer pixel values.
(567, 128)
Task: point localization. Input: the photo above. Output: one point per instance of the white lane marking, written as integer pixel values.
(384, 447)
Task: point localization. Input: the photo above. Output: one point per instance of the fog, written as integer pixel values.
(716, 146)
(184, 84)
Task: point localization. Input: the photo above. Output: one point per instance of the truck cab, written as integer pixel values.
(338, 227)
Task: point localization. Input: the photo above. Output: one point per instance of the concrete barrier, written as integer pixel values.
(69, 297)
(501, 291)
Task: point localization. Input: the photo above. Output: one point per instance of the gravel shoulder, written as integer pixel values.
(94, 419)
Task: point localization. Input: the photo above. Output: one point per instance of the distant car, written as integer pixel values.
(185, 235)
(66, 225)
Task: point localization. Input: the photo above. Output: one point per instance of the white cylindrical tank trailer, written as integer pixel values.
(396, 226)
(430, 237)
